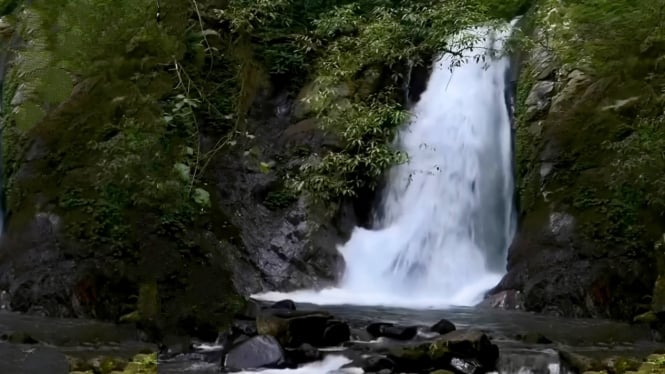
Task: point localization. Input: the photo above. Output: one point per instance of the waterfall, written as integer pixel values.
(447, 215)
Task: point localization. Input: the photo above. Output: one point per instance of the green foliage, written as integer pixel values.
(612, 36)
(338, 44)
(117, 136)
(641, 161)
(357, 93)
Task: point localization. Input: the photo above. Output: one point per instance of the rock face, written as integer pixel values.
(258, 352)
(280, 246)
(581, 248)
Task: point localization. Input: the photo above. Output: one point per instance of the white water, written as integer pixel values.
(447, 215)
(329, 364)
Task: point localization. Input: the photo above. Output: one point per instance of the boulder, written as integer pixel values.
(255, 353)
(472, 344)
(303, 354)
(465, 351)
(389, 330)
(443, 327)
(580, 363)
(335, 333)
(293, 328)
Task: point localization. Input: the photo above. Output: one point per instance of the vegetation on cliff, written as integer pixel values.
(590, 141)
(618, 47)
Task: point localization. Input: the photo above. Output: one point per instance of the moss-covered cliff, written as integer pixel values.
(589, 142)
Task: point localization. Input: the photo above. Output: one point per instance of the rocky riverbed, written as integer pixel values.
(286, 338)
(281, 337)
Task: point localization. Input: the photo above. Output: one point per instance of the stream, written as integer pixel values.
(51, 340)
(595, 338)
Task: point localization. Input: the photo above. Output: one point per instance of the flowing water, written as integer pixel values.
(590, 337)
(447, 215)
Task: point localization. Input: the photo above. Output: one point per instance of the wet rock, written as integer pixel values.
(443, 327)
(336, 333)
(464, 366)
(472, 344)
(539, 99)
(579, 363)
(303, 354)
(389, 330)
(507, 300)
(106, 364)
(418, 358)
(620, 365)
(173, 345)
(293, 328)
(258, 352)
(460, 350)
(284, 305)
(244, 327)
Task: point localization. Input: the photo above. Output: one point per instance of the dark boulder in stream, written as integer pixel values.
(258, 352)
(443, 327)
(293, 328)
(466, 351)
(389, 330)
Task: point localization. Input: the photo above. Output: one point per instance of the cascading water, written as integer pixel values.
(446, 215)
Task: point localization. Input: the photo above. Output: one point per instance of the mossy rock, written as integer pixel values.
(621, 365)
(142, 364)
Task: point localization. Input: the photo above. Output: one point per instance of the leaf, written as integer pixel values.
(264, 167)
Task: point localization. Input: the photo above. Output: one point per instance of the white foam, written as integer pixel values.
(332, 363)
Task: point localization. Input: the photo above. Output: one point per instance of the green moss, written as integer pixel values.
(148, 301)
(142, 364)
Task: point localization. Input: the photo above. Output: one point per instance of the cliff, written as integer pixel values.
(589, 141)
